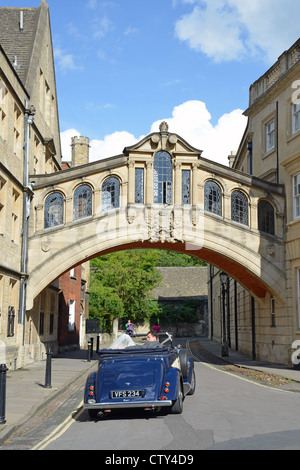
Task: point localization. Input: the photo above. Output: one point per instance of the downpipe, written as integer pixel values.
(27, 197)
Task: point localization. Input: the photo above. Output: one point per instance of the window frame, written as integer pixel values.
(139, 187)
(239, 212)
(185, 187)
(47, 224)
(262, 223)
(295, 117)
(270, 135)
(72, 316)
(78, 198)
(296, 196)
(115, 194)
(162, 178)
(208, 198)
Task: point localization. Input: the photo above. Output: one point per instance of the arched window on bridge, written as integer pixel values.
(162, 178)
(82, 202)
(266, 217)
(110, 194)
(54, 210)
(213, 198)
(239, 207)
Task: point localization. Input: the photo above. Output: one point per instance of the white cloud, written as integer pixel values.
(101, 27)
(66, 61)
(65, 138)
(112, 144)
(191, 120)
(228, 30)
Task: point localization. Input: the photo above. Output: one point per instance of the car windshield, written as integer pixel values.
(122, 341)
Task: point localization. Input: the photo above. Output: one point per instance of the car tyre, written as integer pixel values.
(184, 362)
(193, 384)
(177, 407)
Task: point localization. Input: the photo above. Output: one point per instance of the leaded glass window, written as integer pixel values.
(110, 194)
(139, 185)
(54, 210)
(186, 187)
(266, 218)
(162, 178)
(82, 202)
(239, 207)
(213, 198)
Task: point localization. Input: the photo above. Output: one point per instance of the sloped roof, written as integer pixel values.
(18, 44)
(181, 283)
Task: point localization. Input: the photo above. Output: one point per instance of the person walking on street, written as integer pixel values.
(129, 327)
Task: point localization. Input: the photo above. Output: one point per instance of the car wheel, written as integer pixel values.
(177, 407)
(184, 362)
(193, 384)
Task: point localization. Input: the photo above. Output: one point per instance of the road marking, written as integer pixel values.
(59, 430)
(210, 366)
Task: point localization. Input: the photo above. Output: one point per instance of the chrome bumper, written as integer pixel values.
(139, 404)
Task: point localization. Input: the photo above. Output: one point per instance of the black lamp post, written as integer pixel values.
(224, 278)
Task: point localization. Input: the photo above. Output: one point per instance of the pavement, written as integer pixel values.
(26, 392)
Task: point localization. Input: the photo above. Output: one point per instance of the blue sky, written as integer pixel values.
(123, 66)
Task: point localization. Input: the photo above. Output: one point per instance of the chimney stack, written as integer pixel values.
(231, 158)
(21, 20)
(80, 150)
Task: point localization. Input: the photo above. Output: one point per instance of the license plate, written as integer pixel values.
(126, 393)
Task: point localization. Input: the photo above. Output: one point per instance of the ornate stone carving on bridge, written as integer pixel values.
(164, 225)
(168, 141)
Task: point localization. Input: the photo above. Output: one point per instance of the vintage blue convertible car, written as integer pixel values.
(148, 378)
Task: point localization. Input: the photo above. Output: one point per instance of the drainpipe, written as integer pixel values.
(27, 196)
(236, 317)
(249, 146)
(277, 149)
(253, 328)
(211, 305)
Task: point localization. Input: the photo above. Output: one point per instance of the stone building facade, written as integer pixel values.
(269, 150)
(29, 144)
(180, 285)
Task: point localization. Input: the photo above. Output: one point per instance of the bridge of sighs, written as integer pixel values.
(159, 193)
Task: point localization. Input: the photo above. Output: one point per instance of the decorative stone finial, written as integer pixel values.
(164, 127)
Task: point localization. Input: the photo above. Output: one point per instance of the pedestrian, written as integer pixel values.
(129, 327)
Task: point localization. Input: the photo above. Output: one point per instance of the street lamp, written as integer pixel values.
(224, 279)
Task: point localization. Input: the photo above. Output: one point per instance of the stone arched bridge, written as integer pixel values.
(158, 193)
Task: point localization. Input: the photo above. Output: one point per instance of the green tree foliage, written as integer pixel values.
(166, 258)
(186, 311)
(121, 284)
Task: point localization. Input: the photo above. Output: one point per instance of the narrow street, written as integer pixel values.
(228, 411)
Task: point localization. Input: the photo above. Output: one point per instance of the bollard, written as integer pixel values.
(3, 370)
(92, 346)
(89, 351)
(48, 370)
(98, 343)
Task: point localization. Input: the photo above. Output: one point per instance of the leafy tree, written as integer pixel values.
(167, 258)
(121, 284)
(186, 311)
